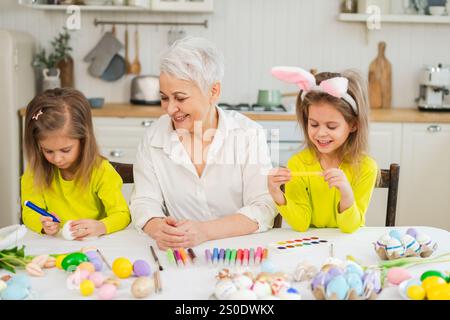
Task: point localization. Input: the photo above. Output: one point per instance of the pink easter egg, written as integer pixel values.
(97, 278)
(106, 292)
(398, 275)
(84, 274)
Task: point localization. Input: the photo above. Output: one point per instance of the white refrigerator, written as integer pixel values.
(17, 88)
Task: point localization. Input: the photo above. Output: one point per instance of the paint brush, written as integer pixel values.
(192, 255)
(156, 258)
(104, 260)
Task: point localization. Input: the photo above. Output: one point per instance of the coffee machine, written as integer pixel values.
(434, 89)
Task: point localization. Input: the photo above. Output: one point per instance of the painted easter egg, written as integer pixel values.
(244, 294)
(409, 243)
(122, 268)
(383, 240)
(14, 292)
(398, 275)
(142, 287)
(87, 266)
(141, 268)
(415, 292)
(278, 285)
(20, 280)
(97, 278)
(66, 233)
(262, 289)
(431, 273)
(333, 273)
(87, 288)
(354, 282)
(439, 292)
(337, 288)
(224, 288)
(429, 283)
(98, 264)
(85, 250)
(372, 280)
(412, 232)
(106, 292)
(289, 294)
(268, 266)
(73, 260)
(242, 282)
(353, 267)
(394, 247)
(423, 239)
(318, 280)
(92, 255)
(395, 234)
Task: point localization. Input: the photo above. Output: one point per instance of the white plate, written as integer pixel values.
(9, 236)
(405, 284)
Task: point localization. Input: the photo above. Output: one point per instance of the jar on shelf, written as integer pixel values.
(349, 6)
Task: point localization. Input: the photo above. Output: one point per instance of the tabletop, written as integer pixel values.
(196, 282)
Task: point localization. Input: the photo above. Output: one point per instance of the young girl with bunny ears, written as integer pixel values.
(330, 183)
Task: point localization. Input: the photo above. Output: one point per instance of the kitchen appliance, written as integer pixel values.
(17, 88)
(434, 88)
(145, 90)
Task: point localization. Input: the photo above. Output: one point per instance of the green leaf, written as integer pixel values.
(7, 267)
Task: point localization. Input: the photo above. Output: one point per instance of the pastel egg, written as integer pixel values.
(141, 268)
(353, 267)
(244, 294)
(92, 255)
(354, 282)
(122, 268)
(87, 288)
(394, 246)
(372, 280)
(262, 289)
(242, 282)
(66, 233)
(87, 266)
(14, 292)
(20, 280)
(423, 239)
(412, 232)
(431, 273)
(338, 288)
(318, 280)
(106, 292)
(383, 240)
(224, 289)
(268, 266)
(409, 243)
(398, 275)
(88, 249)
(2, 285)
(97, 278)
(415, 292)
(142, 287)
(332, 273)
(395, 234)
(98, 264)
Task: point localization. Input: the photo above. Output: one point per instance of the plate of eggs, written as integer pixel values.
(432, 285)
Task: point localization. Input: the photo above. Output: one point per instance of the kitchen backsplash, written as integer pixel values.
(254, 35)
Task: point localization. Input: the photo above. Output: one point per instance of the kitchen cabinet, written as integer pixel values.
(425, 176)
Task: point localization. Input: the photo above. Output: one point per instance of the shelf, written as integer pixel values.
(53, 7)
(397, 18)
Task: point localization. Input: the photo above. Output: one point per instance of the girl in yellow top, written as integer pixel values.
(330, 183)
(66, 174)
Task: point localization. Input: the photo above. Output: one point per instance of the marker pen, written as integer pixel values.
(221, 256)
(233, 257)
(239, 257)
(215, 257)
(192, 255)
(171, 257)
(184, 256)
(39, 210)
(208, 256)
(252, 257)
(258, 257)
(178, 258)
(227, 256)
(246, 253)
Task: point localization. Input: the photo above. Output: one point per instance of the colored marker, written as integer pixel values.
(246, 253)
(239, 257)
(39, 210)
(227, 256)
(178, 258)
(265, 254)
(171, 257)
(184, 256)
(222, 256)
(252, 256)
(233, 256)
(258, 257)
(215, 257)
(192, 255)
(208, 256)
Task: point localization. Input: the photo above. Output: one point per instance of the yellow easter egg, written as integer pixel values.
(89, 267)
(439, 292)
(122, 267)
(87, 287)
(416, 292)
(431, 282)
(59, 260)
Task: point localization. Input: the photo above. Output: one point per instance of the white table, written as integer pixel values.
(197, 282)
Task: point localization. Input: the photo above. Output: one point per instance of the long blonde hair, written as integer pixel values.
(356, 145)
(53, 110)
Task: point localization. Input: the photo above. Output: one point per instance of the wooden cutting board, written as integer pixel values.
(380, 80)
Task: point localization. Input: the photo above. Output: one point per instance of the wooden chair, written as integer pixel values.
(388, 179)
(125, 170)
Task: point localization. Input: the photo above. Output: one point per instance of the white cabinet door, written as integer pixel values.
(425, 176)
(385, 144)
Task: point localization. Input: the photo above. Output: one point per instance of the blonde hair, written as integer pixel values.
(54, 110)
(356, 145)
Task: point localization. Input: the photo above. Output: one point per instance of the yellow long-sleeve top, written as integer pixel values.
(101, 199)
(310, 201)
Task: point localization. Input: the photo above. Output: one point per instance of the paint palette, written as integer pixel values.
(294, 244)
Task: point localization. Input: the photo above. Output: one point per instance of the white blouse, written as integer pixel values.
(234, 179)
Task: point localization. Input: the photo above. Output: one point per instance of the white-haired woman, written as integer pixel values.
(200, 172)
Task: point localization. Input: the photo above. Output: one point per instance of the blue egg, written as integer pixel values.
(332, 273)
(14, 292)
(352, 267)
(20, 280)
(98, 264)
(395, 234)
(354, 282)
(268, 266)
(337, 286)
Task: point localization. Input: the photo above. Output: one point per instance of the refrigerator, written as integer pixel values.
(17, 88)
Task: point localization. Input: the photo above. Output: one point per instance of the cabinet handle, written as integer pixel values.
(147, 123)
(434, 128)
(116, 153)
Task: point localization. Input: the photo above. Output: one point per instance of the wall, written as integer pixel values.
(255, 35)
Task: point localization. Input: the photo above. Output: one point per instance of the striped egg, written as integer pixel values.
(424, 239)
(394, 247)
(409, 243)
(383, 241)
(395, 234)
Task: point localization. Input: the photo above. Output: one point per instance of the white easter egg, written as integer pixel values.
(409, 243)
(394, 246)
(243, 282)
(224, 289)
(244, 294)
(262, 289)
(423, 239)
(384, 240)
(66, 233)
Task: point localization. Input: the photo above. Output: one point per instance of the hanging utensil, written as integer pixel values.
(136, 65)
(127, 60)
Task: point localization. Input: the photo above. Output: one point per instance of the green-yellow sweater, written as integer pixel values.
(101, 200)
(310, 201)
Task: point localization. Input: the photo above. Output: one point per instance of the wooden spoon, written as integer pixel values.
(127, 61)
(136, 65)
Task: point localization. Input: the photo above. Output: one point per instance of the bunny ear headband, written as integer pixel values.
(337, 87)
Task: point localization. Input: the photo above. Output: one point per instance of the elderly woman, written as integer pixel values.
(200, 172)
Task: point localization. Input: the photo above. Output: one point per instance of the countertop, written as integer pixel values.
(411, 115)
(197, 281)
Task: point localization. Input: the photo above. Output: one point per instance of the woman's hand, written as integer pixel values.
(276, 178)
(196, 232)
(165, 233)
(49, 226)
(337, 178)
(87, 228)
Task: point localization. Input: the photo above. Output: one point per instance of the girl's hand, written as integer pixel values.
(165, 233)
(337, 178)
(276, 178)
(87, 228)
(49, 226)
(195, 232)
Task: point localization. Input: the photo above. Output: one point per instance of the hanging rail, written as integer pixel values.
(153, 23)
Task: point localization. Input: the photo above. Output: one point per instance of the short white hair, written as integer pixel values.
(194, 59)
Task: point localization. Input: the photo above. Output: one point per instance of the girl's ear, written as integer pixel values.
(354, 128)
(215, 93)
